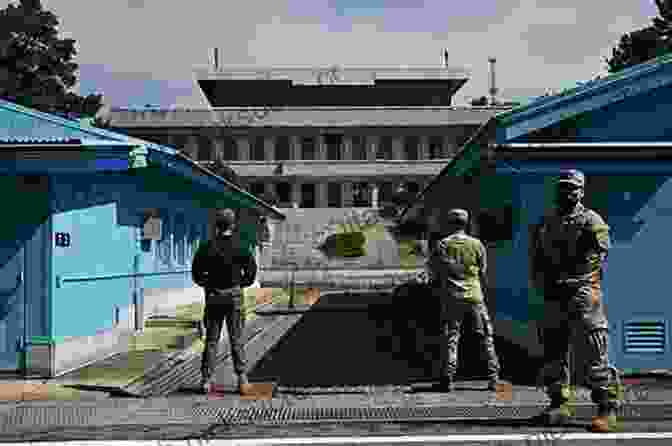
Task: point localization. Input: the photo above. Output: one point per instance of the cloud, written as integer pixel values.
(147, 46)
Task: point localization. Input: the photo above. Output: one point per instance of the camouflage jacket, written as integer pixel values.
(456, 265)
(568, 249)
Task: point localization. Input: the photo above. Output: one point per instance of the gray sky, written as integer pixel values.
(143, 51)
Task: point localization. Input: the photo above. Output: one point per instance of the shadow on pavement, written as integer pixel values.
(364, 346)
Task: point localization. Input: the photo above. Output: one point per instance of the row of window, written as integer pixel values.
(308, 147)
(362, 195)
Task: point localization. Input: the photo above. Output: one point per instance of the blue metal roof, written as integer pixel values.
(36, 141)
(22, 123)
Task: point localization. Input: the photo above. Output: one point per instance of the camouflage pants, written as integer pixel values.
(577, 308)
(453, 314)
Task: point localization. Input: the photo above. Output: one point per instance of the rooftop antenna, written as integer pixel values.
(493, 88)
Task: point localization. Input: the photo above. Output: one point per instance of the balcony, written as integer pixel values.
(341, 169)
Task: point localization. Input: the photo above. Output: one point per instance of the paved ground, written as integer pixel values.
(348, 356)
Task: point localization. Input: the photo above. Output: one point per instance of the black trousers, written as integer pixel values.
(221, 306)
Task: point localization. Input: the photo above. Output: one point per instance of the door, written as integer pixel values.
(24, 254)
(12, 306)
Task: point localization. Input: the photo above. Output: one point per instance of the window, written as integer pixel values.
(179, 239)
(334, 143)
(204, 148)
(179, 142)
(358, 148)
(495, 224)
(435, 147)
(308, 148)
(230, 149)
(282, 152)
(361, 195)
(411, 147)
(258, 149)
(258, 189)
(334, 193)
(284, 192)
(384, 149)
(308, 195)
(386, 192)
(413, 188)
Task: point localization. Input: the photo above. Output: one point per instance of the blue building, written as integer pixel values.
(617, 130)
(98, 229)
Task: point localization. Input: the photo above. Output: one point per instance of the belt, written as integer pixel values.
(225, 290)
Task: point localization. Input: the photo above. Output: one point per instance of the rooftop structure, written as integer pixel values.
(331, 86)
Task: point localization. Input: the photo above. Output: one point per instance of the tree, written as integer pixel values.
(645, 43)
(36, 67)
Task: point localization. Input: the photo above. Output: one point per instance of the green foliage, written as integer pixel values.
(36, 67)
(646, 43)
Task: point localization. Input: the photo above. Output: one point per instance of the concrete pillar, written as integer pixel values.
(243, 143)
(296, 194)
(217, 148)
(269, 148)
(295, 147)
(374, 195)
(398, 148)
(321, 195)
(423, 149)
(347, 194)
(321, 148)
(371, 147)
(347, 147)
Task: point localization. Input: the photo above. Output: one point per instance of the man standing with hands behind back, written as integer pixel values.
(223, 267)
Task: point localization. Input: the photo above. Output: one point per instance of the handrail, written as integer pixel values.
(60, 279)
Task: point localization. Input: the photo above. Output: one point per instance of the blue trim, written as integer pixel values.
(589, 167)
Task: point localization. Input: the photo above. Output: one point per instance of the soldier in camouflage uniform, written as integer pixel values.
(567, 251)
(457, 265)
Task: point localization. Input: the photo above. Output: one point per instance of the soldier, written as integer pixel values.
(223, 267)
(457, 265)
(567, 251)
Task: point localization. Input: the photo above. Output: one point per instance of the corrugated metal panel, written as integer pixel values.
(36, 141)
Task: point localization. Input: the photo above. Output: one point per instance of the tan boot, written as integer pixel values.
(606, 420)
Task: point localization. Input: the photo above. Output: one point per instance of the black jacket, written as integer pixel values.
(223, 263)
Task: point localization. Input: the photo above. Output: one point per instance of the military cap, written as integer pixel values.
(458, 215)
(572, 176)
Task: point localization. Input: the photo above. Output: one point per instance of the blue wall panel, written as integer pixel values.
(105, 222)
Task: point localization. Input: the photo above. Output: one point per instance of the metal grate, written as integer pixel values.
(325, 414)
(286, 415)
(645, 337)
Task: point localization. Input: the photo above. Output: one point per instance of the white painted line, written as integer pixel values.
(370, 440)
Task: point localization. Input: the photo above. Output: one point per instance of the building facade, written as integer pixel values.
(322, 142)
(341, 140)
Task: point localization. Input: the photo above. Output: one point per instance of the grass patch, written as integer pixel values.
(156, 340)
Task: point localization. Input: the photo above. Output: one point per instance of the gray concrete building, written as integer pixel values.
(336, 137)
